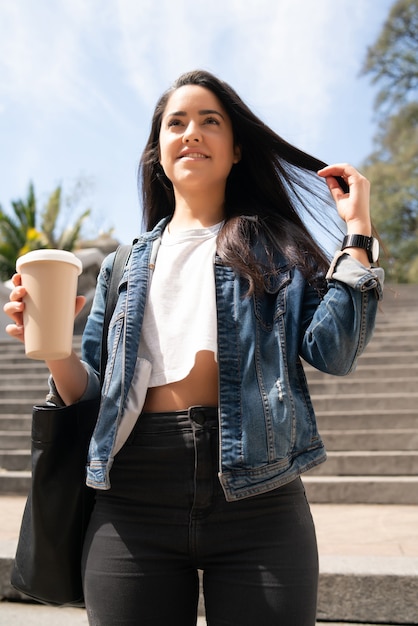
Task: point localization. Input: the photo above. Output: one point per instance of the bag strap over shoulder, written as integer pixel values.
(121, 257)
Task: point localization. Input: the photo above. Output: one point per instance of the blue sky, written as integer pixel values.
(79, 80)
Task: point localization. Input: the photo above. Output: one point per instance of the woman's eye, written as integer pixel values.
(174, 122)
(212, 120)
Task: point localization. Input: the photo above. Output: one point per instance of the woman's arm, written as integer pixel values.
(336, 330)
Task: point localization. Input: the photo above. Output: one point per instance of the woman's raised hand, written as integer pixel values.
(354, 206)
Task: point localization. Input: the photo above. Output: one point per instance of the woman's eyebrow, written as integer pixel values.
(201, 112)
(211, 112)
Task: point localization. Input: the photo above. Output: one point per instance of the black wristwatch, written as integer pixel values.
(370, 244)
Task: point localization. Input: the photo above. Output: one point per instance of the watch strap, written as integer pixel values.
(360, 241)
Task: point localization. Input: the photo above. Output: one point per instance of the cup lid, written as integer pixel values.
(49, 254)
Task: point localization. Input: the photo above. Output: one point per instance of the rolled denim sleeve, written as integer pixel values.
(342, 324)
(348, 270)
(92, 390)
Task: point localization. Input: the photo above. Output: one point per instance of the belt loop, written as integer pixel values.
(197, 414)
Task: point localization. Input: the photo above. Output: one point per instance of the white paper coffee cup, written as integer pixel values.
(50, 278)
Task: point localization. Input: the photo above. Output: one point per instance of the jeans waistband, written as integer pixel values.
(202, 415)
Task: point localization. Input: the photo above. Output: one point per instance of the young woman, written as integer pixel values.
(206, 423)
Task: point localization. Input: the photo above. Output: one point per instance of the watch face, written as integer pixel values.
(375, 250)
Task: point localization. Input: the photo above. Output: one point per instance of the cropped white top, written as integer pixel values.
(180, 313)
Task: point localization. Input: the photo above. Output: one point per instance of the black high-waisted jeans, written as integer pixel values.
(165, 517)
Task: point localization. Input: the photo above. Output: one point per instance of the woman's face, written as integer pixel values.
(196, 141)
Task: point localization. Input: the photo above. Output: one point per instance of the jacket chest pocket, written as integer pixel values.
(271, 304)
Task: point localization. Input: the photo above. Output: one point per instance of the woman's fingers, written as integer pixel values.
(354, 206)
(16, 331)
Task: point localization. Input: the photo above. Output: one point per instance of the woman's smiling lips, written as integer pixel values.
(192, 154)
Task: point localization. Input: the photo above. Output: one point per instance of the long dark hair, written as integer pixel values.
(267, 192)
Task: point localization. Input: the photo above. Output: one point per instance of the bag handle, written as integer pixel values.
(121, 257)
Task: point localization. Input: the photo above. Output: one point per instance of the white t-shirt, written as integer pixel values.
(180, 313)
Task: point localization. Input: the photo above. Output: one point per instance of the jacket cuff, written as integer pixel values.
(53, 397)
(92, 390)
(351, 272)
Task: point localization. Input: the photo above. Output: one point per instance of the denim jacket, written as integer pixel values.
(268, 431)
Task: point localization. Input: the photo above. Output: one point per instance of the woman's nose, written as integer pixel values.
(192, 133)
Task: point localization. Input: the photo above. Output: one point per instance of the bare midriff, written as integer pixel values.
(200, 387)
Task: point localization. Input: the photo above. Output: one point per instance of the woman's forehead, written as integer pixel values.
(192, 97)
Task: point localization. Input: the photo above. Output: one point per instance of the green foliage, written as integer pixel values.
(68, 238)
(393, 166)
(393, 59)
(19, 232)
(393, 172)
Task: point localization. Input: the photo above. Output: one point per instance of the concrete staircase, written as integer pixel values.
(23, 383)
(369, 419)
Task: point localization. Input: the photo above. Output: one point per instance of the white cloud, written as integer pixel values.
(79, 79)
(46, 53)
(39, 56)
(286, 58)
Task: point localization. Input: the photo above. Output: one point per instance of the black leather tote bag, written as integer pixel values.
(47, 564)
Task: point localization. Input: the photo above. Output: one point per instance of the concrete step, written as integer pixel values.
(397, 328)
(355, 386)
(18, 358)
(378, 440)
(356, 402)
(15, 440)
(19, 406)
(21, 379)
(15, 460)
(399, 320)
(394, 357)
(15, 422)
(15, 482)
(361, 489)
(386, 333)
(393, 344)
(21, 366)
(392, 317)
(400, 324)
(368, 463)
(372, 371)
(339, 578)
(367, 418)
(34, 393)
(368, 589)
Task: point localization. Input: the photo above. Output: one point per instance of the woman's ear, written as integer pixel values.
(237, 153)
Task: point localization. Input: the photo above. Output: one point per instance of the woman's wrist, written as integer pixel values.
(359, 227)
(359, 254)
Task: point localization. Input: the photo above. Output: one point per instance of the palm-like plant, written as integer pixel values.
(68, 238)
(19, 233)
